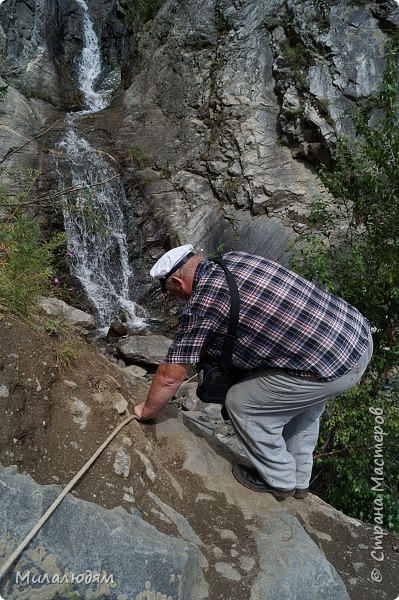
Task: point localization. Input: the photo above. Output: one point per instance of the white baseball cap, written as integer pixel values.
(171, 261)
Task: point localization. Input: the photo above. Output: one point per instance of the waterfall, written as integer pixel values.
(94, 217)
(90, 63)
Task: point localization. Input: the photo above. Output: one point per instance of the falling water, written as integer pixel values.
(93, 218)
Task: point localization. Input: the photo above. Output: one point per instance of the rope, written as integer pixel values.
(6, 566)
(9, 562)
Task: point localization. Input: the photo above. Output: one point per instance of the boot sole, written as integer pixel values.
(300, 494)
(279, 495)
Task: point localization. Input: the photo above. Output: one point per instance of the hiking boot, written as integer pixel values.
(300, 494)
(249, 477)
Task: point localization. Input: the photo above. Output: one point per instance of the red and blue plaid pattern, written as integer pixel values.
(285, 321)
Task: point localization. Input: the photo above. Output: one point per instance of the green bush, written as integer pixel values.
(353, 250)
(25, 263)
(138, 156)
(141, 11)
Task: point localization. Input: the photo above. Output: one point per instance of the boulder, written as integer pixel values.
(130, 558)
(148, 349)
(73, 316)
(117, 329)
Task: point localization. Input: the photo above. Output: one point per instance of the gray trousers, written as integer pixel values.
(276, 417)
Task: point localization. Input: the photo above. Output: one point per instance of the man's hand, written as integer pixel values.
(167, 380)
(138, 409)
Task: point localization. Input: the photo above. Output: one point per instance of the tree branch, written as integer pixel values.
(14, 150)
(324, 454)
(70, 190)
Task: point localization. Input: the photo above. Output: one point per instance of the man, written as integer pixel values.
(299, 344)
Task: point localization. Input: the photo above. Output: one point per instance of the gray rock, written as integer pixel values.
(82, 538)
(289, 564)
(149, 349)
(4, 391)
(70, 384)
(227, 571)
(122, 462)
(184, 528)
(80, 412)
(134, 371)
(117, 329)
(40, 44)
(73, 316)
(120, 404)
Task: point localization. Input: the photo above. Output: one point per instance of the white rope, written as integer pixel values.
(5, 567)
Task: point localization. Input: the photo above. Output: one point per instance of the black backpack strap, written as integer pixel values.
(231, 336)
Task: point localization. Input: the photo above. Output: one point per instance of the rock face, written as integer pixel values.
(230, 108)
(85, 540)
(40, 41)
(227, 540)
(232, 105)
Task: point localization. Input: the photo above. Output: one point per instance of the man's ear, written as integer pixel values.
(181, 286)
(177, 282)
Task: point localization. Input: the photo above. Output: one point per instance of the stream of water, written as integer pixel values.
(94, 217)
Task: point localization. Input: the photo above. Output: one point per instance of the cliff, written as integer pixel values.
(218, 114)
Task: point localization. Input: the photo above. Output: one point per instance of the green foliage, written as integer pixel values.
(297, 58)
(68, 349)
(38, 94)
(138, 157)
(83, 205)
(69, 352)
(3, 92)
(219, 249)
(353, 250)
(25, 260)
(349, 447)
(141, 11)
(25, 263)
(281, 20)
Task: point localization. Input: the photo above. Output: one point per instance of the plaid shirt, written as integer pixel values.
(285, 321)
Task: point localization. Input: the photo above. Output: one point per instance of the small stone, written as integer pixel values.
(135, 371)
(227, 571)
(247, 563)
(70, 384)
(120, 405)
(4, 391)
(226, 534)
(117, 329)
(128, 498)
(80, 412)
(122, 463)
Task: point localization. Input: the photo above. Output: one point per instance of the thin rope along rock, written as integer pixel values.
(9, 562)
